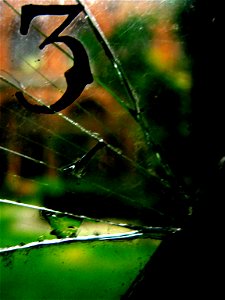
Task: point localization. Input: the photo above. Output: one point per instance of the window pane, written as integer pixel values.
(94, 131)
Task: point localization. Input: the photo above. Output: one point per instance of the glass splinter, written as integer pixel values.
(78, 167)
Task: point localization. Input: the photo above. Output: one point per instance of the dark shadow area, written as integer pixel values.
(187, 264)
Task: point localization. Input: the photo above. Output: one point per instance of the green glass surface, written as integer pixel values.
(91, 270)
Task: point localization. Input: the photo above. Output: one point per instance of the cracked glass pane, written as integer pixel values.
(94, 143)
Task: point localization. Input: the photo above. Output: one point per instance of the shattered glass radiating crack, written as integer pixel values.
(94, 131)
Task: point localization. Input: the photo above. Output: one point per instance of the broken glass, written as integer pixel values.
(94, 128)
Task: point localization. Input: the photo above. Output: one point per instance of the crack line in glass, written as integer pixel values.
(90, 238)
(90, 133)
(141, 229)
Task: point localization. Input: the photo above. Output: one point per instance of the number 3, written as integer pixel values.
(79, 75)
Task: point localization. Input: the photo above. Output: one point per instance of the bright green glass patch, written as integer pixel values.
(82, 270)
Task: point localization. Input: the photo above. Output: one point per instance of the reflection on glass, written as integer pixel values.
(108, 168)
